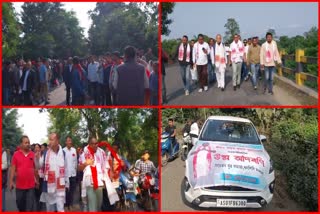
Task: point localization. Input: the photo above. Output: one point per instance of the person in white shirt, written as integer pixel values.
(194, 132)
(71, 171)
(5, 166)
(55, 182)
(218, 56)
(236, 59)
(269, 58)
(200, 53)
(93, 68)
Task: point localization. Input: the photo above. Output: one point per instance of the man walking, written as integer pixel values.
(55, 181)
(254, 61)
(132, 81)
(70, 171)
(67, 77)
(184, 53)
(200, 60)
(218, 54)
(269, 57)
(236, 58)
(93, 67)
(27, 83)
(78, 93)
(24, 170)
(44, 78)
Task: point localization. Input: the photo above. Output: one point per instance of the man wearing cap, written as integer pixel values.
(146, 165)
(132, 83)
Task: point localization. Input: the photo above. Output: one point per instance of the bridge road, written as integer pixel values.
(246, 95)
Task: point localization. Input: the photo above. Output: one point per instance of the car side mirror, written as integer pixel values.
(263, 138)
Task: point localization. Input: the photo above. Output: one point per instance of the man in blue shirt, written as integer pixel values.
(43, 81)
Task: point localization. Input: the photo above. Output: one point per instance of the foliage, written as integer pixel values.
(116, 25)
(11, 132)
(166, 9)
(50, 31)
(292, 139)
(135, 129)
(232, 28)
(10, 31)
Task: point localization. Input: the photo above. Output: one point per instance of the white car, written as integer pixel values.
(229, 167)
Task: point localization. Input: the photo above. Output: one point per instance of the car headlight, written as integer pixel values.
(271, 167)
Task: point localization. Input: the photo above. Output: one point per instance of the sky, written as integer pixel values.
(34, 124)
(254, 19)
(80, 8)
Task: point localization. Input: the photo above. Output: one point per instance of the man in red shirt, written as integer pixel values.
(23, 167)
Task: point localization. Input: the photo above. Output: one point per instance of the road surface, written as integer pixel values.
(173, 174)
(246, 95)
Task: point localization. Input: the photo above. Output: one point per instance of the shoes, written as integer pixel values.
(46, 103)
(234, 88)
(222, 89)
(200, 90)
(264, 90)
(206, 88)
(238, 86)
(255, 87)
(187, 92)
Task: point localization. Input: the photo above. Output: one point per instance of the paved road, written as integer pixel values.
(172, 176)
(214, 96)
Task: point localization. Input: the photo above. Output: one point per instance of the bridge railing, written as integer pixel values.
(300, 59)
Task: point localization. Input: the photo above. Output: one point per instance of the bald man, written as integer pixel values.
(27, 83)
(218, 56)
(67, 76)
(55, 180)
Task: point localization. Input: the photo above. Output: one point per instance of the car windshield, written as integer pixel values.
(229, 131)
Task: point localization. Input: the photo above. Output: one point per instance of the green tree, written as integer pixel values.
(11, 132)
(10, 31)
(232, 28)
(166, 9)
(50, 31)
(116, 25)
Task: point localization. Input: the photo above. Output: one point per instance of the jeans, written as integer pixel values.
(25, 200)
(211, 72)
(70, 191)
(268, 77)
(185, 75)
(95, 198)
(236, 69)
(164, 89)
(255, 73)
(244, 70)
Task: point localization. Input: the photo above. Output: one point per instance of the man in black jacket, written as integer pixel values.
(27, 84)
(67, 76)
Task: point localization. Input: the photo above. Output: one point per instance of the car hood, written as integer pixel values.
(227, 164)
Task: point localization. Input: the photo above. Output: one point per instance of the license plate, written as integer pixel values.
(231, 203)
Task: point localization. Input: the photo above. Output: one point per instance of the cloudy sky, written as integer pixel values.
(34, 124)
(254, 18)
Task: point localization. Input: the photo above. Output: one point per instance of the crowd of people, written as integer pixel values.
(206, 62)
(45, 177)
(111, 79)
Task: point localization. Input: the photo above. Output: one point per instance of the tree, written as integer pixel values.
(11, 132)
(233, 28)
(10, 31)
(50, 31)
(116, 25)
(166, 9)
(273, 32)
(135, 129)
